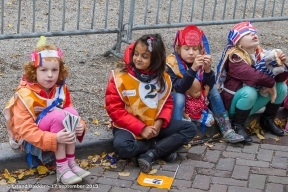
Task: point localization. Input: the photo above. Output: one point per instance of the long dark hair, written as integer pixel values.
(158, 57)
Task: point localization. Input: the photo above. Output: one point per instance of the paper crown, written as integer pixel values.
(37, 56)
(239, 30)
(190, 35)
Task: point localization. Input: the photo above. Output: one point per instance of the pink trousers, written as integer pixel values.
(52, 122)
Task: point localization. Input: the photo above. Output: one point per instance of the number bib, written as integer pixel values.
(142, 100)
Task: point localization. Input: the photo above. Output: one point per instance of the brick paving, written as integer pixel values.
(259, 167)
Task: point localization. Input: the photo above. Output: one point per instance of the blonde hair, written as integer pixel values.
(30, 70)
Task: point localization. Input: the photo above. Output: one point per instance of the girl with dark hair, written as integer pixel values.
(139, 103)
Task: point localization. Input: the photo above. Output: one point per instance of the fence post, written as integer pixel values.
(117, 46)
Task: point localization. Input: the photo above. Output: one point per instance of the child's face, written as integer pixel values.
(142, 57)
(47, 74)
(188, 53)
(249, 42)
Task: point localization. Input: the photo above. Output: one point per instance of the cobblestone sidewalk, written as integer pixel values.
(220, 168)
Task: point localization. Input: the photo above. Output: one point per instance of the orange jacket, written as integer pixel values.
(24, 126)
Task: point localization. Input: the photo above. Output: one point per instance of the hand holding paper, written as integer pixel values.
(70, 122)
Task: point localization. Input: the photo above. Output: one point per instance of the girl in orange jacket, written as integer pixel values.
(36, 112)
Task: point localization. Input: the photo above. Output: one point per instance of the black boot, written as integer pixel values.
(238, 124)
(163, 149)
(267, 119)
(170, 158)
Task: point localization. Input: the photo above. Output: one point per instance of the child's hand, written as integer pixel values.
(65, 137)
(148, 132)
(79, 130)
(281, 55)
(199, 61)
(207, 63)
(272, 92)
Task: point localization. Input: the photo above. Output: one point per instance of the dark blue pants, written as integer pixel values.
(127, 146)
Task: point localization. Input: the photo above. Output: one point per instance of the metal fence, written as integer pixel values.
(31, 18)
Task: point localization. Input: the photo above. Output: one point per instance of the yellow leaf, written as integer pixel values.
(114, 166)
(106, 123)
(9, 26)
(152, 172)
(85, 7)
(253, 123)
(188, 146)
(11, 180)
(95, 158)
(0, 74)
(97, 133)
(42, 170)
(277, 139)
(257, 131)
(3, 182)
(286, 40)
(85, 51)
(30, 172)
(106, 164)
(103, 154)
(37, 25)
(209, 145)
(90, 157)
(124, 174)
(20, 176)
(15, 55)
(6, 173)
(84, 164)
(95, 121)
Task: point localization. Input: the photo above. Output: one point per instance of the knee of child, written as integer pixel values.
(71, 110)
(250, 94)
(58, 116)
(125, 149)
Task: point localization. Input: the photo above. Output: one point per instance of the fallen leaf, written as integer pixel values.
(106, 123)
(95, 121)
(95, 158)
(15, 55)
(188, 146)
(85, 7)
(42, 170)
(21, 175)
(103, 154)
(124, 174)
(208, 145)
(9, 26)
(90, 157)
(84, 164)
(114, 166)
(152, 172)
(277, 139)
(97, 133)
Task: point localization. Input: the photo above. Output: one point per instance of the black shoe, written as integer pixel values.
(242, 131)
(170, 158)
(145, 162)
(238, 124)
(267, 119)
(269, 125)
